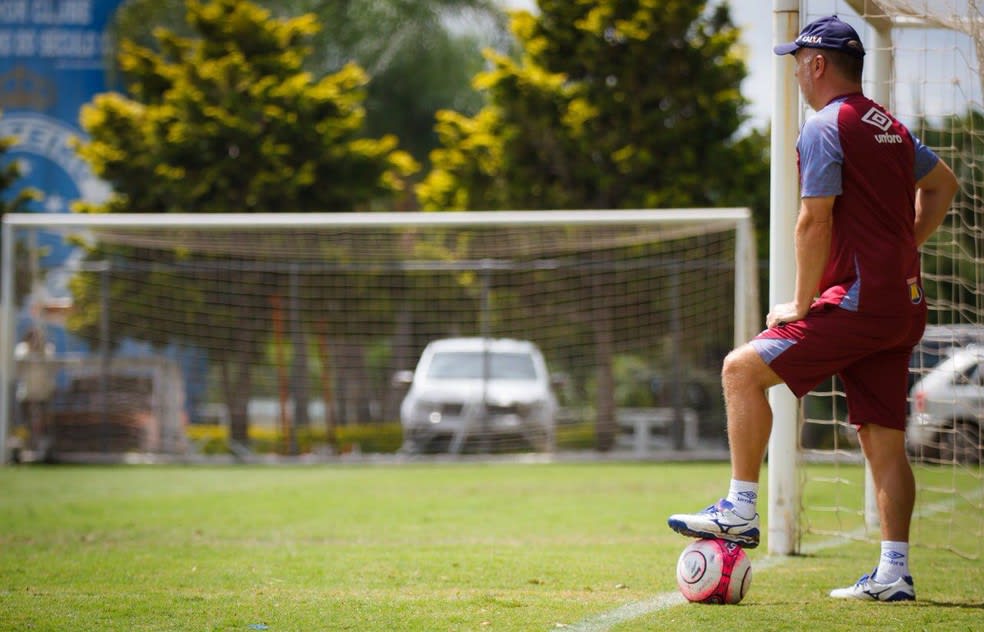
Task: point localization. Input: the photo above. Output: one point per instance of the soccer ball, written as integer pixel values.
(714, 571)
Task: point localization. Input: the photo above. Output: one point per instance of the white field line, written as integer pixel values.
(628, 612)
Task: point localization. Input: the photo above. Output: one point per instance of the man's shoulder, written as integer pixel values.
(862, 109)
(864, 120)
(822, 123)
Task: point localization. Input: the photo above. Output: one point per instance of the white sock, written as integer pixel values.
(893, 563)
(744, 496)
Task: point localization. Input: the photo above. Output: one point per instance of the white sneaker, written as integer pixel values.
(869, 589)
(718, 522)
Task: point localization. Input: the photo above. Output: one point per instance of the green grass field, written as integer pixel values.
(460, 546)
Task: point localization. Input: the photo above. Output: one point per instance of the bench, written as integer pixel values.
(643, 429)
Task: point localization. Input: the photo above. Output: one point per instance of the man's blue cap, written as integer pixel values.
(830, 32)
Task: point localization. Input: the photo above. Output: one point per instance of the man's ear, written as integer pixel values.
(819, 63)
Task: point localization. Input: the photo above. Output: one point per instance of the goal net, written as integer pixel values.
(293, 332)
(925, 63)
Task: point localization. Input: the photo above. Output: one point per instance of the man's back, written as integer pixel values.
(855, 150)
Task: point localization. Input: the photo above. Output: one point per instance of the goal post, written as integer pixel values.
(924, 63)
(783, 470)
(325, 308)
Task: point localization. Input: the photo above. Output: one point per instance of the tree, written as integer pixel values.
(14, 201)
(235, 109)
(952, 266)
(419, 55)
(227, 120)
(613, 104)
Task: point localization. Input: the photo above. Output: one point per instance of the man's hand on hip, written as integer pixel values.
(785, 313)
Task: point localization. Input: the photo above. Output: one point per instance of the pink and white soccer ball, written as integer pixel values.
(714, 571)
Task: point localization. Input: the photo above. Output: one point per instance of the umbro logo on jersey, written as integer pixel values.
(879, 119)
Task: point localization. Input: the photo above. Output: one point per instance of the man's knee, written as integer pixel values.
(744, 367)
(882, 445)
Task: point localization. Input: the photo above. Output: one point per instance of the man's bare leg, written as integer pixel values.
(895, 486)
(895, 491)
(746, 379)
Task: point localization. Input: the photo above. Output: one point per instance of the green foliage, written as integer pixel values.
(366, 438)
(9, 175)
(952, 266)
(376, 438)
(420, 56)
(224, 118)
(11, 202)
(612, 105)
(228, 120)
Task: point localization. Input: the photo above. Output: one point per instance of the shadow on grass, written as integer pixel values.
(949, 604)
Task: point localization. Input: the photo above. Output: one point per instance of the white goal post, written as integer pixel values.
(925, 62)
(363, 270)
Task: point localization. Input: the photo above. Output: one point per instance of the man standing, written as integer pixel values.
(871, 194)
(35, 386)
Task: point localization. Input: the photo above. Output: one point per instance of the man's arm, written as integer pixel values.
(814, 228)
(934, 193)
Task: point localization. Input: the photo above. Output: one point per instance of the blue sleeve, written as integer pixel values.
(926, 158)
(821, 155)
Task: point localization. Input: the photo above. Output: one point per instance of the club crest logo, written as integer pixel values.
(915, 291)
(42, 137)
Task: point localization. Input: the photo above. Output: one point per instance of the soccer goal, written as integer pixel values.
(293, 327)
(924, 63)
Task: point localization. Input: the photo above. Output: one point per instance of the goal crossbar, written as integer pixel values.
(246, 221)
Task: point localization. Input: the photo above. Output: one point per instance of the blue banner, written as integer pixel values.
(53, 59)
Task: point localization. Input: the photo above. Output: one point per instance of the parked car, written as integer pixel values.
(948, 408)
(478, 390)
(937, 342)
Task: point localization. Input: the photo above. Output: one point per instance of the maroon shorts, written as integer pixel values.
(869, 353)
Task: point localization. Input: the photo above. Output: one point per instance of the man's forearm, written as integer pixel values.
(933, 197)
(813, 235)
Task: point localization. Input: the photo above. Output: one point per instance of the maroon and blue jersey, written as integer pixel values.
(871, 309)
(855, 150)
